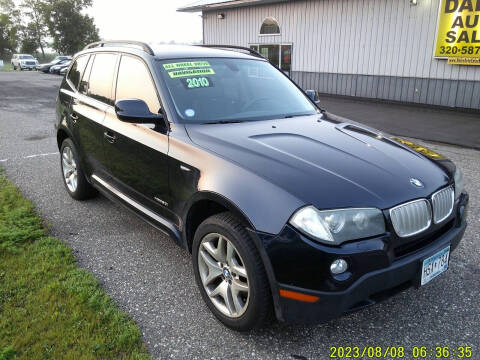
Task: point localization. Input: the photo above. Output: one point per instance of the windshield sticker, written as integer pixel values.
(186, 64)
(197, 82)
(190, 112)
(192, 72)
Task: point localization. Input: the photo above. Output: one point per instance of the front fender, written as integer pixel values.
(266, 206)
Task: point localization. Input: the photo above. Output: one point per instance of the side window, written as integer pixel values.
(77, 69)
(83, 87)
(134, 82)
(101, 78)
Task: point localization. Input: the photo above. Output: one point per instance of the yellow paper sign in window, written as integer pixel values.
(190, 72)
(458, 29)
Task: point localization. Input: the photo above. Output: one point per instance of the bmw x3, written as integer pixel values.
(286, 208)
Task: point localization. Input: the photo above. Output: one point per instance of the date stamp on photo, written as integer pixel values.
(400, 352)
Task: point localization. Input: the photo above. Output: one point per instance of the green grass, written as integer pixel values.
(6, 67)
(50, 308)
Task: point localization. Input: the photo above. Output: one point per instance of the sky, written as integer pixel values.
(151, 21)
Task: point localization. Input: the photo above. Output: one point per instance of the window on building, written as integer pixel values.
(271, 52)
(280, 55)
(134, 82)
(286, 58)
(269, 27)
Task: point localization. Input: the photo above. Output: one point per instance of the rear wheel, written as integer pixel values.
(230, 273)
(73, 175)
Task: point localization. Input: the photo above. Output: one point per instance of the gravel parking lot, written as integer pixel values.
(152, 279)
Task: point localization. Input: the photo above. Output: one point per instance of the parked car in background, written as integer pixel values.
(23, 61)
(46, 67)
(55, 69)
(63, 71)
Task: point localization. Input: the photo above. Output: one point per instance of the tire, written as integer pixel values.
(77, 185)
(257, 302)
(14, 68)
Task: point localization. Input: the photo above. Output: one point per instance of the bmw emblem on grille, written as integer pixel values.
(416, 182)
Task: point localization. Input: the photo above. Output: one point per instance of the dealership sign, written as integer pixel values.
(458, 34)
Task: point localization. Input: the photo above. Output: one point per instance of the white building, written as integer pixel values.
(382, 49)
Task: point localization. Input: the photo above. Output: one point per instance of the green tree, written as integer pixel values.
(37, 29)
(9, 27)
(29, 39)
(69, 28)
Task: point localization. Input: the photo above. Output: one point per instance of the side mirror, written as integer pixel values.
(314, 96)
(135, 111)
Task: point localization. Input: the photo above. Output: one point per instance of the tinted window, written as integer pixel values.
(101, 78)
(134, 82)
(83, 87)
(77, 69)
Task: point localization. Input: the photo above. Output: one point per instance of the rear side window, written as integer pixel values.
(101, 78)
(77, 69)
(83, 87)
(134, 82)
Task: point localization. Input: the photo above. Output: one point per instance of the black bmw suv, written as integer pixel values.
(286, 208)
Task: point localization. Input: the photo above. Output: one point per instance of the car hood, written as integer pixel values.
(328, 161)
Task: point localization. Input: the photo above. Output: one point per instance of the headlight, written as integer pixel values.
(458, 183)
(334, 227)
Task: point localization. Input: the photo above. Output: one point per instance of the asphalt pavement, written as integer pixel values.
(448, 126)
(151, 278)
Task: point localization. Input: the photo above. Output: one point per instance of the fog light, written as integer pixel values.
(339, 266)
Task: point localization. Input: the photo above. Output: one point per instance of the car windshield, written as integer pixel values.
(26, 57)
(231, 90)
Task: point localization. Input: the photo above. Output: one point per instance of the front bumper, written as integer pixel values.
(30, 67)
(376, 270)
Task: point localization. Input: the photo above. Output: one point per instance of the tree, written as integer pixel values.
(69, 28)
(37, 29)
(9, 27)
(29, 39)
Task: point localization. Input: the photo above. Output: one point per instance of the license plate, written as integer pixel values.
(435, 265)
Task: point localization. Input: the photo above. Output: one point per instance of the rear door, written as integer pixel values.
(137, 153)
(89, 105)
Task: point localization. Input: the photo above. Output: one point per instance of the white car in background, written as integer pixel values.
(24, 61)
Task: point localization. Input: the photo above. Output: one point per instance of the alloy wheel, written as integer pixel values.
(69, 167)
(224, 275)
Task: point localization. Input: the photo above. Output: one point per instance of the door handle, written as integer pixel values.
(110, 137)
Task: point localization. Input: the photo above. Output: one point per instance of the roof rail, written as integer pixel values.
(144, 46)
(234, 47)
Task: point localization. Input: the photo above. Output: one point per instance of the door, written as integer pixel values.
(271, 52)
(279, 55)
(88, 108)
(138, 153)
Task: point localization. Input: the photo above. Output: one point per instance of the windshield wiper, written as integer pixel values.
(289, 116)
(223, 122)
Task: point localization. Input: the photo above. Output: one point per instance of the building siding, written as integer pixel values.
(368, 48)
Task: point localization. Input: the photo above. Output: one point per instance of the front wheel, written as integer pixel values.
(230, 273)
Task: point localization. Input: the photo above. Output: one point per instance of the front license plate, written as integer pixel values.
(435, 265)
